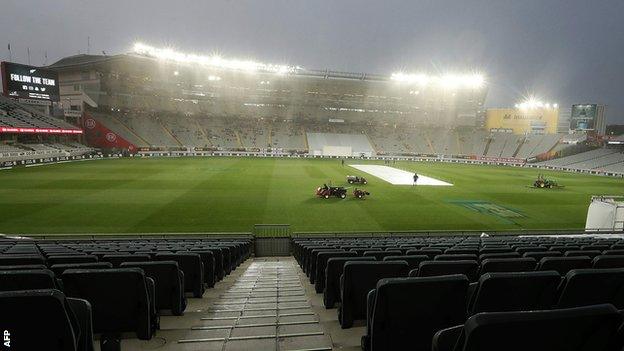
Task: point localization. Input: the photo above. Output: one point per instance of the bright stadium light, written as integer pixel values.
(447, 81)
(532, 103)
(212, 61)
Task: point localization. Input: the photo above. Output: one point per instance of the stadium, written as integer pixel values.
(168, 200)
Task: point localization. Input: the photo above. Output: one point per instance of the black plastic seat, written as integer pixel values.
(119, 298)
(457, 257)
(412, 260)
(117, 259)
(312, 263)
(193, 268)
(380, 254)
(22, 267)
(486, 256)
(592, 328)
(44, 320)
(406, 312)
(333, 272)
(563, 264)
(52, 260)
(583, 287)
(516, 291)
(321, 265)
(589, 253)
(524, 264)
(310, 268)
(27, 280)
(435, 268)
(13, 260)
(425, 251)
(357, 279)
(58, 269)
(169, 281)
(208, 260)
(541, 254)
(607, 261)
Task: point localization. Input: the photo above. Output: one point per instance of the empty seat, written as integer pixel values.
(117, 260)
(357, 280)
(607, 261)
(619, 252)
(119, 299)
(379, 255)
(589, 253)
(458, 257)
(321, 265)
(27, 280)
(592, 328)
(23, 267)
(335, 267)
(563, 264)
(208, 260)
(495, 250)
(44, 320)
(425, 251)
(311, 269)
(192, 266)
(541, 254)
(460, 250)
(52, 260)
(412, 260)
(406, 312)
(523, 249)
(58, 269)
(582, 287)
(499, 255)
(12, 260)
(508, 265)
(434, 268)
(169, 281)
(515, 291)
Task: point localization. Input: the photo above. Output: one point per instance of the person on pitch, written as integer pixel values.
(415, 178)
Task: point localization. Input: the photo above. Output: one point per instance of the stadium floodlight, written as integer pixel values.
(447, 81)
(212, 61)
(532, 103)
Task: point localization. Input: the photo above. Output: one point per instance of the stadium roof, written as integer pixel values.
(445, 81)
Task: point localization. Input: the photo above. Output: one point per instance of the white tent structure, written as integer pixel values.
(606, 213)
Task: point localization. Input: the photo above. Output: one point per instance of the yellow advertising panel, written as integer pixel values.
(522, 121)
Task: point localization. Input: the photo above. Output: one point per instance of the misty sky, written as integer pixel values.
(567, 51)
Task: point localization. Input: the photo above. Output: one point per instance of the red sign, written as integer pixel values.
(40, 130)
(98, 135)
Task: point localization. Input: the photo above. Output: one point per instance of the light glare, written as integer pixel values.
(212, 61)
(447, 81)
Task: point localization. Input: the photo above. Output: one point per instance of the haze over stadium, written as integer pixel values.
(288, 175)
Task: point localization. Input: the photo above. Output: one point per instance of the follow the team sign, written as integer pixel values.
(29, 82)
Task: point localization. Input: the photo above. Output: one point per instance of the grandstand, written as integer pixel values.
(15, 115)
(601, 159)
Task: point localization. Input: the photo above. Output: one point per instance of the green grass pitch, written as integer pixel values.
(165, 195)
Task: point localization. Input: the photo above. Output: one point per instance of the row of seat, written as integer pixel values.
(440, 282)
(410, 311)
(125, 292)
(330, 267)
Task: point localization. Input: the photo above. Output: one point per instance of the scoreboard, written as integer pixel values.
(29, 82)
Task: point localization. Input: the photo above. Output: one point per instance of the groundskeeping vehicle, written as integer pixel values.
(328, 191)
(360, 194)
(356, 180)
(541, 182)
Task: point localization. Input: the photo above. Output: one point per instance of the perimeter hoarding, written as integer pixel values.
(519, 121)
(29, 82)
